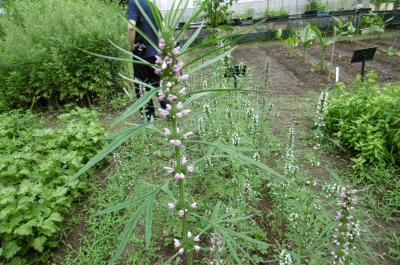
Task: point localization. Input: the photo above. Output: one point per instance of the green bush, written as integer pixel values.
(37, 165)
(40, 60)
(315, 5)
(365, 119)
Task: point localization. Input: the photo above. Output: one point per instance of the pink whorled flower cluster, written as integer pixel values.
(171, 69)
(216, 246)
(179, 247)
(348, 229)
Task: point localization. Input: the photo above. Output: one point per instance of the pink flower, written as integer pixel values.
(177, 143)
(176, 50)
(180, 106)
(182, 213)
(194, 205)
(163, 113)
(161, 95)
(177, 243)
(158, 71)
(164, 65)
(171, 98)
(158, 59)
(350, 217)
(338, 215)
(171, 206)
(179, 176)
(190, 169)
(197, 238)
(181, 251)
(177, 68)
(169, 107)
(169, 170)
(183, 92)
(188, 134)
(184, 160)
(197, 248)
(168, 60)
(167, 132)
(162, 44)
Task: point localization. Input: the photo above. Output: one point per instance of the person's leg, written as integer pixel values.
(141, 73)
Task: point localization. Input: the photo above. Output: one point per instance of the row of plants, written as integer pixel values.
(316, 220)
(37, 182)
(42, 63)
(227, 216)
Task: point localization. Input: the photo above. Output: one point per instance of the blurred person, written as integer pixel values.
(140, 47)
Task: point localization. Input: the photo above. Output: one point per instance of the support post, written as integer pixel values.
(363, 69)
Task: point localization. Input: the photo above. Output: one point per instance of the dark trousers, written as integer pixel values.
(146, 74)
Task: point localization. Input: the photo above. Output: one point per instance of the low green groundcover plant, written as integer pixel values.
(37, 166)
(40, 60)
(365, 118)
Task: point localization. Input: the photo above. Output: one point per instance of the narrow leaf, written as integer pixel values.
(137, 105)
(192, 38)
(117, 142)
(126, 234)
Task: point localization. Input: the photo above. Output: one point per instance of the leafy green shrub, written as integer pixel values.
(37, 166)
(40, 60)
(366, 119)
(268, 13)
(315, 5)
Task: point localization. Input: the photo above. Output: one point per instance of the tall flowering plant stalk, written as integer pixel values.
(170, 67)
(174, 72)
(348, 228)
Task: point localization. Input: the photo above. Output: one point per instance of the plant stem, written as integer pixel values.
(182, 202)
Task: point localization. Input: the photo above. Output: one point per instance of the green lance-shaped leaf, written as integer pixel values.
(180, 12)
(139, 60)
(235, 154)
(188, 22)
(192, 38)
(115, 58)
(147, 209)
(127, 233)
(117, 142)
(149, 219)
(210, 62)
(141, 33)
(144, 14)
(130, 202)
(196, 97)
(155, 12)
(140, 103)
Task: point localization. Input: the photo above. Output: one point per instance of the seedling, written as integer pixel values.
(307, 37)
(344, 29)
(292, 43)
(324, 43)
